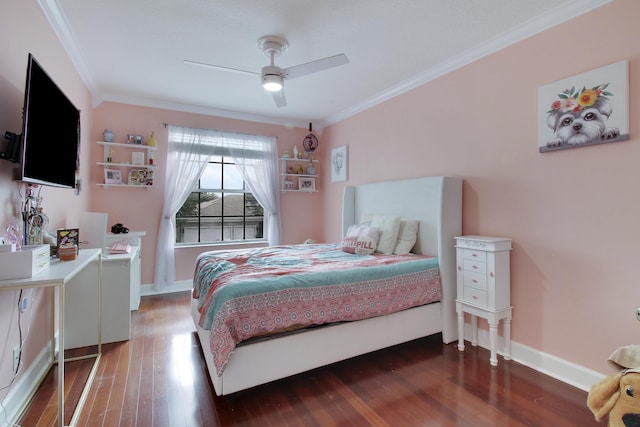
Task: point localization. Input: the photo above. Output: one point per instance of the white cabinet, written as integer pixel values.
(121, 157)
(483, 288)
(82, 301)
(134, 238)
(298, 175)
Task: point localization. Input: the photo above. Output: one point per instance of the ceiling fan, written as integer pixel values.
(272, 76)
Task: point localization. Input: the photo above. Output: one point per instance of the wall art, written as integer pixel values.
(339, 164)
(587, 109)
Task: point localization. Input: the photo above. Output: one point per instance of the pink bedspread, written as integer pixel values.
(244, 294)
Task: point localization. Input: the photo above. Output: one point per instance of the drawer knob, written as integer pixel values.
(474, 255)
(474, 266)
(474, 281)
(475, 297)
(491, 274)
(459, 268)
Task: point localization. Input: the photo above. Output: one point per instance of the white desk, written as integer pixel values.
(57, 277)
(118, 275)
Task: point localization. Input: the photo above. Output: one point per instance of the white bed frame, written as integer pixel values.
(437, 203)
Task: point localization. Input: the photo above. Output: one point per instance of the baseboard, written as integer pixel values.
(25, 387)
(555, 367)
(178, 286)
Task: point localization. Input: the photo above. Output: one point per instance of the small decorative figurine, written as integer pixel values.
(108, 135)
(152, 140)
(295, 151)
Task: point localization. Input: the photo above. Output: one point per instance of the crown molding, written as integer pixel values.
(534, 26)
(550, 19)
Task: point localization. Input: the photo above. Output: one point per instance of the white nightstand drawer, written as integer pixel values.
(474, 254)
(475, 280)
(475, 266)
(475, 296)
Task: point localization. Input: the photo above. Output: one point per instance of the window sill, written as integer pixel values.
(223, 245)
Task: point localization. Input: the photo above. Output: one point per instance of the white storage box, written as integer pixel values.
(28, 262)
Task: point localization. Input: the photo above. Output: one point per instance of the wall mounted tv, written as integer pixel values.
(50, 132)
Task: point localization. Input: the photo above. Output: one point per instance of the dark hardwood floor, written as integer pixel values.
(158, 378)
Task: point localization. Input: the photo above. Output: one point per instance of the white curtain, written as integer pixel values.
(185, 163)
(189, 151)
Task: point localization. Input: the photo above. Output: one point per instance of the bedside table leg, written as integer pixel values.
(506, 326)
(460, 330)
(474, 328)
(493, 338)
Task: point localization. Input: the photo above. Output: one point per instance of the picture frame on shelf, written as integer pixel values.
(288, 185)
(140, 177)
(307, 184)
(137, 158)
(135, 139)
(112, 176)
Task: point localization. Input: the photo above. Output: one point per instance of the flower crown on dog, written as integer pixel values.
(576, 100)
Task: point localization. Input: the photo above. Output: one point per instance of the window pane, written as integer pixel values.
(212, 176)
(232, 178)
(233, 205)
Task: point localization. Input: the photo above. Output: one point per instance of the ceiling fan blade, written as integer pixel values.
(217, 67)
(279, 98)
(315, 66)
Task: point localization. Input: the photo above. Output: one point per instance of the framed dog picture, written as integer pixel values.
(587, 109)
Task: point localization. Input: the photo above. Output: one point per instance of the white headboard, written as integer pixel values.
(437, 203)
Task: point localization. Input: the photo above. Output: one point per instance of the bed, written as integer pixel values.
(436, 202)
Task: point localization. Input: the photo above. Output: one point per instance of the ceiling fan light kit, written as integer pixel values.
(272, 76)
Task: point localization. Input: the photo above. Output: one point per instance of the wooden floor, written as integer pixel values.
(158, 378)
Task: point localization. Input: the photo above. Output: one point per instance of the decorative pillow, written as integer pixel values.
(389, 226)
(360, 240)
(407, 236)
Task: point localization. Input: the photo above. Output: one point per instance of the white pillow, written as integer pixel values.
(407, 236)
(360, 240)
(389, 226)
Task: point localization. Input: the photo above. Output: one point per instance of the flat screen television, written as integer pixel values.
(50, 132)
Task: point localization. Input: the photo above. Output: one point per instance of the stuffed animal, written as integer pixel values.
(618, 396)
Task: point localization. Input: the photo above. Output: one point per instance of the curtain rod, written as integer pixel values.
(166, 125)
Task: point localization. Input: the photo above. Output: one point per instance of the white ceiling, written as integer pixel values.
(132, 51)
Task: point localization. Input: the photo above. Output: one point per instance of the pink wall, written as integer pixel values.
(572, 214)
(140, 209)
(23, 30)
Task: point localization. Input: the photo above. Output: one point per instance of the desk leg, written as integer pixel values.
(61, 356)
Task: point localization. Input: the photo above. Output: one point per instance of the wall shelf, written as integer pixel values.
(147, 151)
(289, 180)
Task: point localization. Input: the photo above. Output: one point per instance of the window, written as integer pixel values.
(221, 208)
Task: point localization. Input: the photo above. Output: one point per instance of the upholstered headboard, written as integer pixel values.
(437, 203)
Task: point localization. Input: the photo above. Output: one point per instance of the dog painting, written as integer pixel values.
(588, 109)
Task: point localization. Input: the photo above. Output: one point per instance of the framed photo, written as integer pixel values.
(112, 176)
(136, 177)
(135, 139)
(67, 236)
(288, 185)
(587, 109)
(306, 184)
(339, 164)
(137, 158)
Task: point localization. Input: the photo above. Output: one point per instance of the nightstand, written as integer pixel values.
(483, 286)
